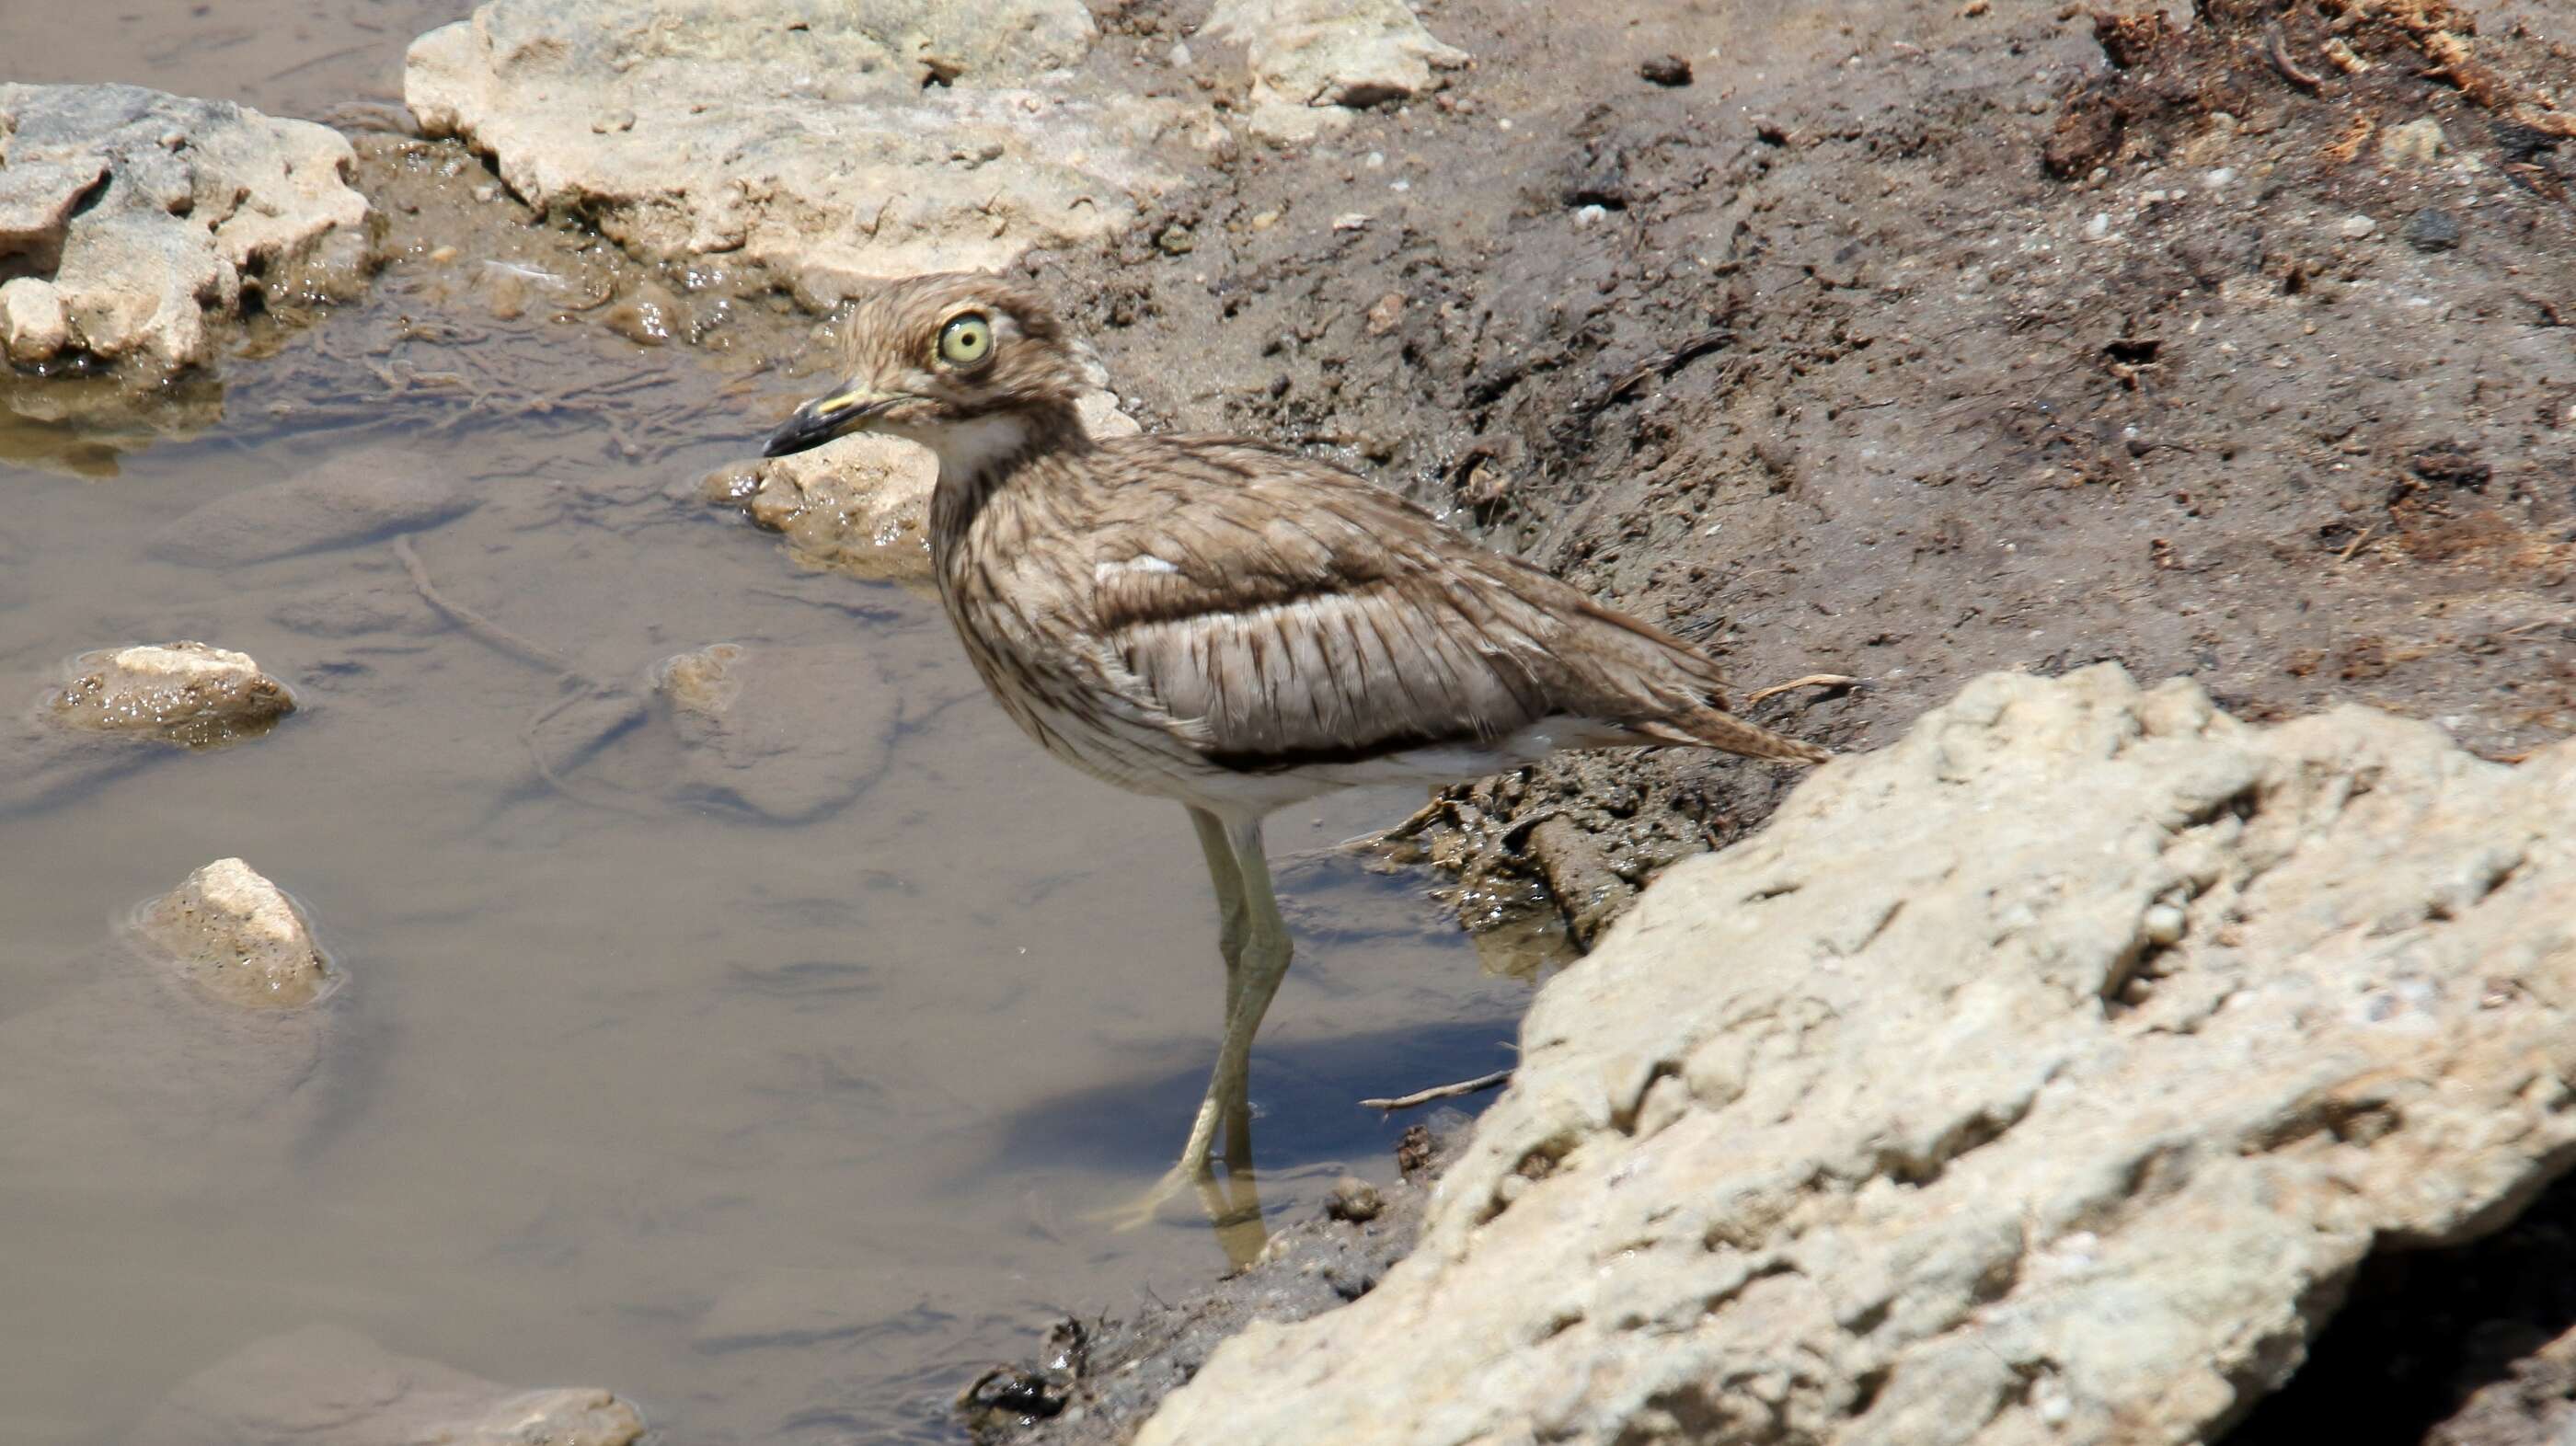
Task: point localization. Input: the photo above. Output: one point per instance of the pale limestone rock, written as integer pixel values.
(861, 505)
(1313, 61)
(326, 1385)
(184, 692)
(32, 325)
(1917, 1118)
(827, 143)
(189, 203)
(239, 938)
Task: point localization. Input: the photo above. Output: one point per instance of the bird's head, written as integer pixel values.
(962, 363)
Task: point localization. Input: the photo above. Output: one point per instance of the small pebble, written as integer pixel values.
(1354, 1199)
(2433, 230)
(1350, 221)
(2163, 924)
(2354, 228)
(1264, 220)
(2416, 143)
(1666, 70)
(1586, 215)
(2100, 226)
(1176, 240)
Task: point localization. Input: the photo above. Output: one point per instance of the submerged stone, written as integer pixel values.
(239, 938)
(185, 693)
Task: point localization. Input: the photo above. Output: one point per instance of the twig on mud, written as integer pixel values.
(1667, 364)
(2354, 546)
(1812, 680)
(2277, 50)
(1478, 1085)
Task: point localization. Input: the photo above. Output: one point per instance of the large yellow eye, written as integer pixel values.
(966, 340)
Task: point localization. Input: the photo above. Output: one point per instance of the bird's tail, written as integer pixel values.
(1710, 728)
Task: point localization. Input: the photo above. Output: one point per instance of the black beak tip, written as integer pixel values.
(799, 433)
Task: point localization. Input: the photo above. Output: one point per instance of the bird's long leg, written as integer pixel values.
(1266, 951)
(1258, 949)
(1231, 922)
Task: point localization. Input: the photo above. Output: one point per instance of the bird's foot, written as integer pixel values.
(1223, 1203)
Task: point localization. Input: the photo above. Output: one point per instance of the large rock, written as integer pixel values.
(2042, 1078)
(127, 217)
(1314, 61)
(240, 938)
(861, 505)
(828, 143)
(327, 1385)
(185, 693)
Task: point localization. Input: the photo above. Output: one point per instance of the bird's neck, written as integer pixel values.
(983, 451)
(980, 457)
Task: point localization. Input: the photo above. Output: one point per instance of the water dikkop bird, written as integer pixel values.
(1229, 624)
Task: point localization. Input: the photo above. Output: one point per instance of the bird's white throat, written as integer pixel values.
(972, 448)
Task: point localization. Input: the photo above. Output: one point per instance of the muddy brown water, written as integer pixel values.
(777, 1123)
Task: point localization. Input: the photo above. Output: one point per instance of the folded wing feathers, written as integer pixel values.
(1294, 611)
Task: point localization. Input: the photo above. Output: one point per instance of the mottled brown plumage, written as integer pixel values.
(1230, 624)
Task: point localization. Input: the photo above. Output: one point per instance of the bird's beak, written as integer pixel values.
(826, 417)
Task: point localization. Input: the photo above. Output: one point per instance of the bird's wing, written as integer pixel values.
(1295, 614)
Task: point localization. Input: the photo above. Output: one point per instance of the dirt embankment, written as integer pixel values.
(1923, 341)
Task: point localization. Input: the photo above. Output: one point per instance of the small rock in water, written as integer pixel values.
(33, 327)
(703, 681)
(1354, 1199)
(2433, 230)
(185, 693)
(239, 938)
(650, 317)
(1006, 1391)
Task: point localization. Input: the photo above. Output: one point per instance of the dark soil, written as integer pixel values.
(1910, 344)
